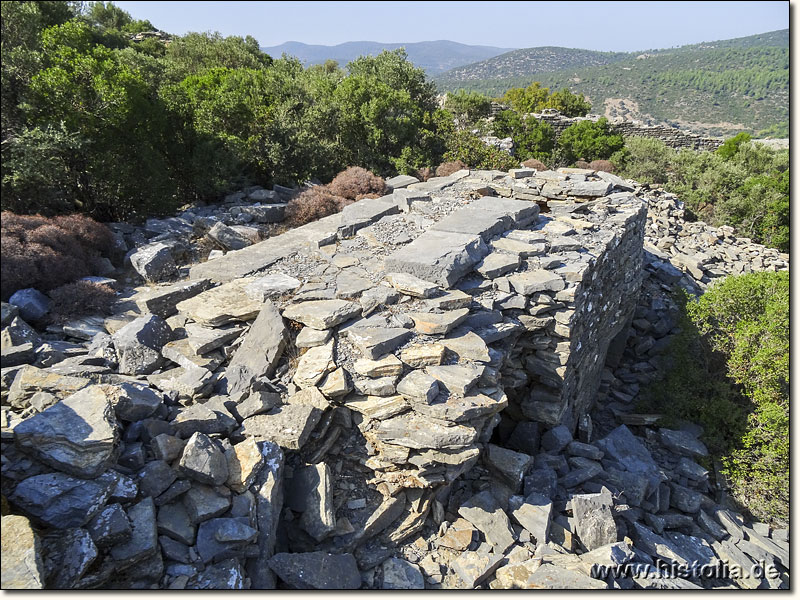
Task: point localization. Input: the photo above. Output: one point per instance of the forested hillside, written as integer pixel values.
(716, 88)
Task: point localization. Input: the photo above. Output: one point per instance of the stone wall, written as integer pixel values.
(672, 137)
(306, 410)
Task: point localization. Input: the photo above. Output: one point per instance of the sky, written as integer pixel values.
(611, 26)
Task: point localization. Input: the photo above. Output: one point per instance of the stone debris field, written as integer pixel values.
(433, 389)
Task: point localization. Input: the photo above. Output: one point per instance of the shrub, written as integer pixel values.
(730, 374)
(354, 182)
(80, 298)
(448, 168)
(532, 163)
(644, 159)
(602, 165)
(589, 140)
(731, 146)
(467, 148)
(467, 107)
(313, 204)
(424, 173)
(45, 253)
(532, 138)
(581, 164)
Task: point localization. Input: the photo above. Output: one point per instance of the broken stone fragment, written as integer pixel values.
(203, 461)
(259, 352)
(531, 282)
(221, 305)
(317, 570)
(374, 342)
(22, 567)
(138, 344)
(411, 285)
(244, 461)
(314, 365)
(456, 379)
(438, 323)
(289, 425)
(486, 514)
(385, 366)
(419, 386)
(423, 355)
(399, 574)
(78, 435)
(322, 314)
(534, 513)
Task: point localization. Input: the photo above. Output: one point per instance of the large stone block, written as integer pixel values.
(439, 256)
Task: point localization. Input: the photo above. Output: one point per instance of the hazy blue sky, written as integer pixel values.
(618, 26)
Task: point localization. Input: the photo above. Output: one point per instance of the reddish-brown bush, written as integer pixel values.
(354, 182)
(602, 165)
(314, 204)
(581, 164)
(80, 298)
(532, 163)
(424, 173)
(448, 168)
(45, 253)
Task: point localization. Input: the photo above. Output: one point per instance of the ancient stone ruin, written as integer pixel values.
(431, 389)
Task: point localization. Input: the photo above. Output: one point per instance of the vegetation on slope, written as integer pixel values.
(730, 373)
(717, 88)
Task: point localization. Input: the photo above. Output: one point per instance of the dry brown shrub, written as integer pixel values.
(581, 164)
(602, 165)
(80, 298)
(45, 253)
(354, 182)
(314, 204)
(424, 173)
(448, 168)
(532, 163)
(365, 196)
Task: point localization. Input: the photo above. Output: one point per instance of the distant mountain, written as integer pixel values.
(435, 57)
(544, 59)
(716, 88)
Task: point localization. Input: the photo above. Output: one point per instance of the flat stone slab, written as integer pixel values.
(522, 212)
(497, 264)
(458, 409)
(222, 305)
(401, 181)
(438, 256)
(374, 342)
(161, 301)
(322, 314)
(77, 435)
(365, 212)
(475, 221)
(438, 323)
(317, 570)
(485, 513)
(289, 425)
(552, 577)
(413, 286)
(414, 431)
(530, 282)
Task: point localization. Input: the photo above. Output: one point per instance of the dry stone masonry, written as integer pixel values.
(671, 136)
(432, 389)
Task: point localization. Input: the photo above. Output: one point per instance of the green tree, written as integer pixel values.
(532, 138)
(731, 146)
(527, 100)
(589, 140)
(644, 159)
(468, 107)
(568, 104)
